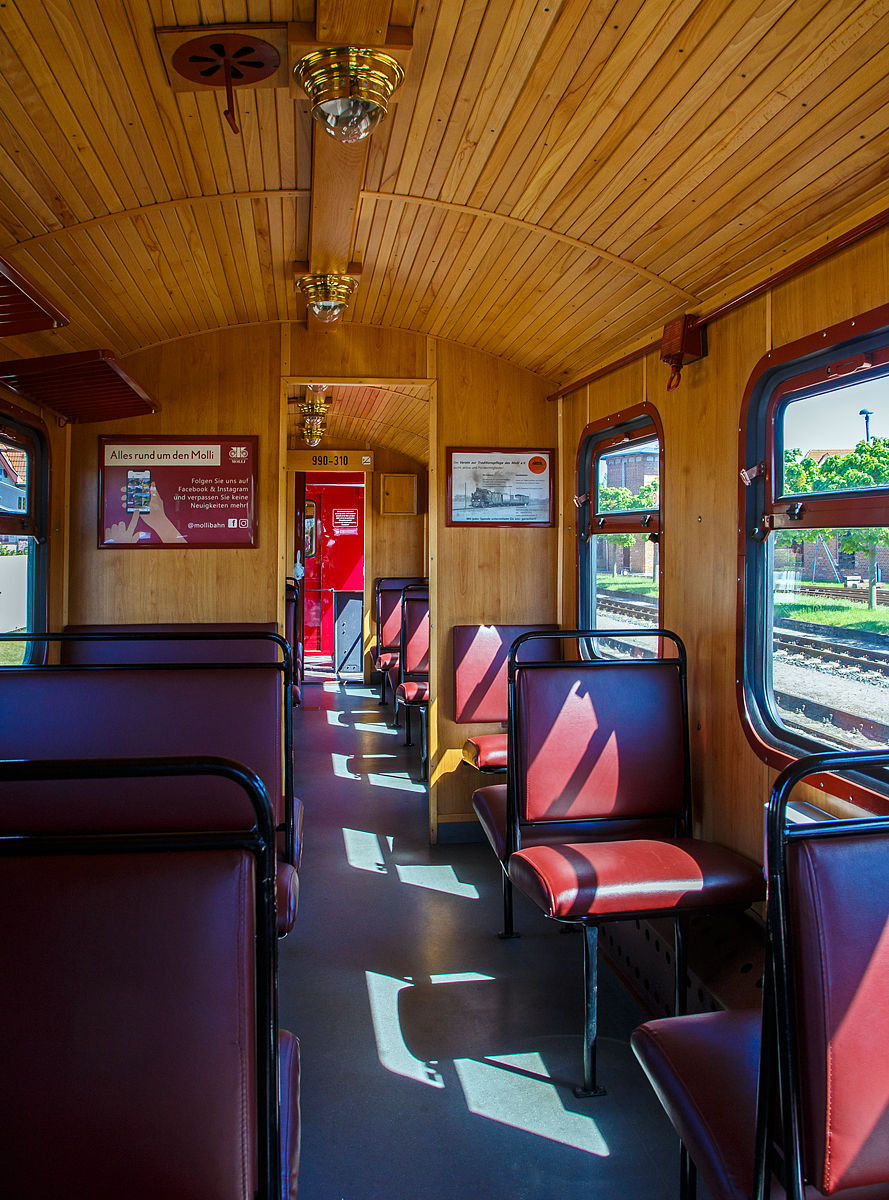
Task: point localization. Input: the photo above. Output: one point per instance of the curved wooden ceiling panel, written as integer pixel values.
(553, 181)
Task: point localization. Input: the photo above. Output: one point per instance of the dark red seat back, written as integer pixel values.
(480, 662)
(127, 1026)
(389, 610)
(838, 900)
(228, 649)
(415, 633)
(62, 712)
(600, 739)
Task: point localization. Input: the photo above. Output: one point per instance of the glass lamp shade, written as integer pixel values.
(327, 310)
(349, 119)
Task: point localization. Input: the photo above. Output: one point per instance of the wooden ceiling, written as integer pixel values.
(396, 417)
(557, 178)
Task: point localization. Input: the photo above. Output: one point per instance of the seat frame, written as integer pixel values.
(259, 842)
(682, 824)
(405, 675)
(284, 666)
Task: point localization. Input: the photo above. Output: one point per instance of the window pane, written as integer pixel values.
(16, 571)
(625, 587)
(311, 531)
(837, 441)
(13, 478)
(627, 477)
(830, 634)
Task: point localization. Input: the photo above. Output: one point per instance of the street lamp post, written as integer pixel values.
(867, 413)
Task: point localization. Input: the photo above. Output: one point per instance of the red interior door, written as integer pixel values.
(334, 552)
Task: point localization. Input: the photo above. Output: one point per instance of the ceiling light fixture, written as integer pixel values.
(327, 295)
(349, 88)
(314, 406)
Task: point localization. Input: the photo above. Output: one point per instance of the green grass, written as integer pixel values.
(828, 611)
(639, 584)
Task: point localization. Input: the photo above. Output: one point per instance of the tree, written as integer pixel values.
(866, 466)
(622, 500)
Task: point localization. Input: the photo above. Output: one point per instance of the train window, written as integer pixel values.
(816, 582)
(311, 527)
(24, 481)
(619, 524)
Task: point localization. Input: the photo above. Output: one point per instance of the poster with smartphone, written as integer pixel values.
(177, 492)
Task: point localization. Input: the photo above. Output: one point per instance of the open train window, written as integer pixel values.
(815, 517)
(620, 524)
(24, 490)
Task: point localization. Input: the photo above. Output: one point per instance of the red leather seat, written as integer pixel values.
(412, 689)
(601, 743)
(387, 604)
(138, 1013)
(822, 1025)
(480, 689)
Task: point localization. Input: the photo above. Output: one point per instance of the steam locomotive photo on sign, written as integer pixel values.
(499, 487)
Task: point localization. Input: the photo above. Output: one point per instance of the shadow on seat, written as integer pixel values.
(818, 1044)
(597, 744)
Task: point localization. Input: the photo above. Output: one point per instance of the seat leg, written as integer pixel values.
(423, 716)
(383, 678)
(680, 963)
(508, 930)
(590, 979)
(407, 725)
(688, 1175)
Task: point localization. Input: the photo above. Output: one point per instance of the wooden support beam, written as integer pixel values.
(337, 178)
(353, 22)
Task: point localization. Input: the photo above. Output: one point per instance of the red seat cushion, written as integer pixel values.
(413, 692)
(590, 879)
(704, 1070)
(486, 752)
(287, 898)
(387, 660)
(490, 808)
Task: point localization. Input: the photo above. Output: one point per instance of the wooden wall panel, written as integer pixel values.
(487, 574)
(700, 539)
(220, 383)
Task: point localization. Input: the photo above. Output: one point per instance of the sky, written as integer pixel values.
(832, 421)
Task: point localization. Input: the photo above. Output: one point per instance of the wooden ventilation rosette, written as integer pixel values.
(227, 60)
(83, 387)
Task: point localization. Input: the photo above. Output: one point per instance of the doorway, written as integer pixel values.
(333, 592)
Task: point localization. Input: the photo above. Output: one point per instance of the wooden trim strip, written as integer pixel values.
(530, 227)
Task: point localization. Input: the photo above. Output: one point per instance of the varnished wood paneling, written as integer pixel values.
(486, 574)
(217, 384)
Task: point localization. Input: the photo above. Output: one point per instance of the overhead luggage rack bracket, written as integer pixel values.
(87, 386)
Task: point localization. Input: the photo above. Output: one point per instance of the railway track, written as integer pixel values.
(853, 595)
(811, 646)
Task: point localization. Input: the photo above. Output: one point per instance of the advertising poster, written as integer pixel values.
(500, 487)
(156, 492)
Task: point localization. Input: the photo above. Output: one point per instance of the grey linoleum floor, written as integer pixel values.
(437, 1060)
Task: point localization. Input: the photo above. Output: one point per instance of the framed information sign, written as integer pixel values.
(157, 492)
(499, 487)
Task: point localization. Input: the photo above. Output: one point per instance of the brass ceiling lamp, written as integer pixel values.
(314, 406)
(349, 88)
(327, 295)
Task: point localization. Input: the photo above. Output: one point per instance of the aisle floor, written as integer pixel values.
(438, 1060)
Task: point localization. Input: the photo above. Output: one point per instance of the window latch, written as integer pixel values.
(646, 521)
(579, 500)
(750, 473)
(795, 512)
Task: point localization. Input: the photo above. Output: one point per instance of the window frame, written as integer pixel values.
(640, 423)
(27, 431)
(830, 359)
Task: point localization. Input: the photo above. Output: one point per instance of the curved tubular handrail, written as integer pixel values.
(285, 666)
(259, 841)
(778, 988)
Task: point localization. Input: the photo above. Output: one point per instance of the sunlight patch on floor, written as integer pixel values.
(364, 852)
(382, 991)
(438, 878)
(337, 718)
(515, 1090)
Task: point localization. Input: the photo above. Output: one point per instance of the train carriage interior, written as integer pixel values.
(444, 599)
